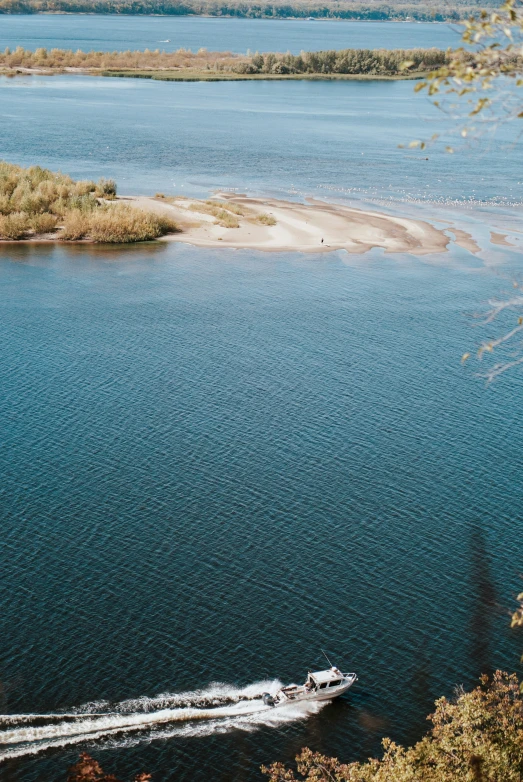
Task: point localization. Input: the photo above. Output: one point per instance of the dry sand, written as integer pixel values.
(298, 227)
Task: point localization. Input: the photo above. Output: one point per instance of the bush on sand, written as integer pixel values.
(120, 224)
(14, 225)
(265, 219)
(35, 201)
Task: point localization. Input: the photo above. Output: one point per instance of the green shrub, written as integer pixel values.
(82, 187)
(85, 203)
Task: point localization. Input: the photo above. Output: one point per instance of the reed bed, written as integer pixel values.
(380, 62)
(265, 219)
(59, 59)
(37, 202)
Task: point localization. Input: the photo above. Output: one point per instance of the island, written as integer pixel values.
(39, 205)
(184, 65)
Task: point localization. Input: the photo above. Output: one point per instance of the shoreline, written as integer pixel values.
(226, 16)
(203, 65)
(191, 75)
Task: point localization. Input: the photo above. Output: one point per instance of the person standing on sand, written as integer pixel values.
(322, 241)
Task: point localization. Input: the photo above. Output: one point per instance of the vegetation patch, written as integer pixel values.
(230, 207)
(475, 737)
(265, 219)
(38, 202)
(415, 10)
(184, 65)
(223, 216)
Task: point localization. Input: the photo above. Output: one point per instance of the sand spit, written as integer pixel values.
(465, 240)
(296, 227)
(501, 239)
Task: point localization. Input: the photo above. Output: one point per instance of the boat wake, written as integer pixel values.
(217, 709)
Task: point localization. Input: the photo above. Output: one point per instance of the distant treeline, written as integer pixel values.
(346, 61)
(350, 61)
(425, 10)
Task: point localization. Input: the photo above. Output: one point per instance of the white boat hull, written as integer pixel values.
(296, 694)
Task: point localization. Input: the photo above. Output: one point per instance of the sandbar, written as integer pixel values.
(465, 240)
(501, 239)
(312, 227)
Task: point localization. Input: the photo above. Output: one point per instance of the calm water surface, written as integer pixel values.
(109, 33)
(215, 463)
(307, 138)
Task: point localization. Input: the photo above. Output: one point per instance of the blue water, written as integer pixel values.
(215, 463)
(109, 33)
(307, 138)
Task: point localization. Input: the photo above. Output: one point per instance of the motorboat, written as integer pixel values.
(319, 686)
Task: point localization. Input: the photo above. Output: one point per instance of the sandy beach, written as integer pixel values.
(274, 225)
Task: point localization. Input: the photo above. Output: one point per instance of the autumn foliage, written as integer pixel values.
(477, 737)
(36, 202)
(89, 770)
(345, 61)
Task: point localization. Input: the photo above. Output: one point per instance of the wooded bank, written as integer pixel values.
(204, 64)
(424, 10)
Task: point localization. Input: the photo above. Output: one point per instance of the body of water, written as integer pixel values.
(295, 138)
(110, 33)
(216, 463)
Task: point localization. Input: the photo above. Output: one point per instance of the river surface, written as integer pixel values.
(110, 33)
(216, 463)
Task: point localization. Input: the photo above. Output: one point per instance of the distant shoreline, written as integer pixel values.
(199, 76)
(185, 65)
(307, 10)
(395, 20)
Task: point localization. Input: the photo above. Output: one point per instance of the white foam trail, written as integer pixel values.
(246, 722)
(123, 722)
(214, 694)
(243, 709)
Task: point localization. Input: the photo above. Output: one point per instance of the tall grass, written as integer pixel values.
(347, 61)
(223, 216)
(265, 219)
(35, 201)
(230, 207)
